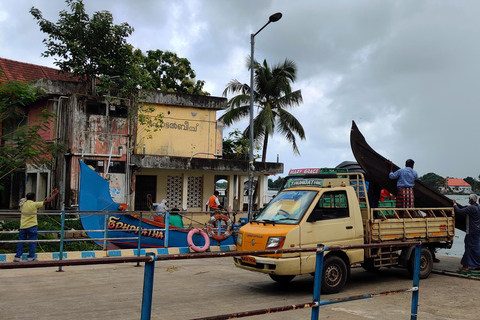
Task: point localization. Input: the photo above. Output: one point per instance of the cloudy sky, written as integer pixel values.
(407, 72)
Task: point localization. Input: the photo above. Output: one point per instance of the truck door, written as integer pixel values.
(329, 223)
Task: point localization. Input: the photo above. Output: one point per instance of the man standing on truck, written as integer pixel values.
(405, 181)
(471, 257)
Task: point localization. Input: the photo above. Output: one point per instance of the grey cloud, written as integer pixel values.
(405, 71)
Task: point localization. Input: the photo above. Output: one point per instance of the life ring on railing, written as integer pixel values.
(192, 245)
(211, 225)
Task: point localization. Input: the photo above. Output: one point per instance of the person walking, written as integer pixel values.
(405, 181)
(471, 257)
(29, 223)
(213, 202)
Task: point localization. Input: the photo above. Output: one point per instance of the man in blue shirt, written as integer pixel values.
(405, 181)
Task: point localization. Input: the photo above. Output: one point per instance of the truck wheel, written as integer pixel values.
(426, 263)
(334, 274)
(281, 279)
(369, 266)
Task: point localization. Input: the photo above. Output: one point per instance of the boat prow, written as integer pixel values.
(377, 168)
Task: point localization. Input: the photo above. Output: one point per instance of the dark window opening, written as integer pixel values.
(117, 167)
(119, 111)
(145, 185)
(97, 165)
(95, 107)
(9, 128)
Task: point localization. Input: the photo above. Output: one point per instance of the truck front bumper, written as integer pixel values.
(278, 266)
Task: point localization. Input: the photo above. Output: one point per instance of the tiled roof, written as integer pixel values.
(457, 182)
(21, 71)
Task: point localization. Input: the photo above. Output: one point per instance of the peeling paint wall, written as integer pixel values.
(101, 137)
(185, 131)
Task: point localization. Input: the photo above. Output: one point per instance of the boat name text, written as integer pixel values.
(115, 224)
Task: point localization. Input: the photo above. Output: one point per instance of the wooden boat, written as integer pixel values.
(377, 168)
(94, 196)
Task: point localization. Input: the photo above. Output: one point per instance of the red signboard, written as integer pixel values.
(304, 171)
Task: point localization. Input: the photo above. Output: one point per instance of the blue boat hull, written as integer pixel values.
(95, 195)
(153, 233)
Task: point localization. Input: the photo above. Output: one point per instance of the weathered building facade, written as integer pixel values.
(180, 162)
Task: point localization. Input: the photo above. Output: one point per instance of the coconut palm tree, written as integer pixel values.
(273, 96)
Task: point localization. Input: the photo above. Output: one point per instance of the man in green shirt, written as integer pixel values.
(28, 224)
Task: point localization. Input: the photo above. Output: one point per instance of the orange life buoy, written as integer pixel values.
(192, 245)
(211, 225)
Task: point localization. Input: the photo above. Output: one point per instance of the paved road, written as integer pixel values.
(186, 289)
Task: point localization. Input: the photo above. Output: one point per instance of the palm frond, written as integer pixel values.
(235, 114)
(272, 95)
(235, 86)
(293, 99)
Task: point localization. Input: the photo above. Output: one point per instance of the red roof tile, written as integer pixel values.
(21, 71)
(457, 182)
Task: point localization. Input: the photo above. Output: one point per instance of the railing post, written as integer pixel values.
(62, 236)
(139, 235)
(105, 233)
(149, 273)
(317, 282)
(219, 231)
(167, 218)
(416, 281)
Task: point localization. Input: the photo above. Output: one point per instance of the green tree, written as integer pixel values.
(96, 50)
(276, 184)
(21, 141)
(433, 180)
(87, 47)
(273, 95)
(474, 183)
(236, 146)
(170, 73)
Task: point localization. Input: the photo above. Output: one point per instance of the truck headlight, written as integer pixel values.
(239, 239)
(275, 242)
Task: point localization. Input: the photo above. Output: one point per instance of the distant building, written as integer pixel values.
(457, 186)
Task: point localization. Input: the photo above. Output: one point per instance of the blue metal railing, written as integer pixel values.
(108, 235)
(315, 304)
(105, 231)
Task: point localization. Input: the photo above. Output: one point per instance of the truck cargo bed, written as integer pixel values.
(395, 224)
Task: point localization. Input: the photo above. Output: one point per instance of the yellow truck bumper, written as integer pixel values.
(278, 266)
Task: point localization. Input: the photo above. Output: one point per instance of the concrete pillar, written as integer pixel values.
(241, 198)
(230, 190)
(261, 193)
(184, 191)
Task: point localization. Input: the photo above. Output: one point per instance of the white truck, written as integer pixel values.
(332, 209)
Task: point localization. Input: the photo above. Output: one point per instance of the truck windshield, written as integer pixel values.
(288, 207)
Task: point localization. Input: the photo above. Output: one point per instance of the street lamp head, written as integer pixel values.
(275, 17)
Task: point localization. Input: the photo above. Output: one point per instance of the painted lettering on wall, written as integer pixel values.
(115, 224)
(181, 126)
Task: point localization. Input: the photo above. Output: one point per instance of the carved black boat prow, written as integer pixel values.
(377, 168)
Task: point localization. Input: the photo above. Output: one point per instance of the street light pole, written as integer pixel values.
(273, 18)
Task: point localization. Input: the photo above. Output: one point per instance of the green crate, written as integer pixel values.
(387, 204)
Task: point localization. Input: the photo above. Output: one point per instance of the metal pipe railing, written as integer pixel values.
(149, 272)
(108, 234)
